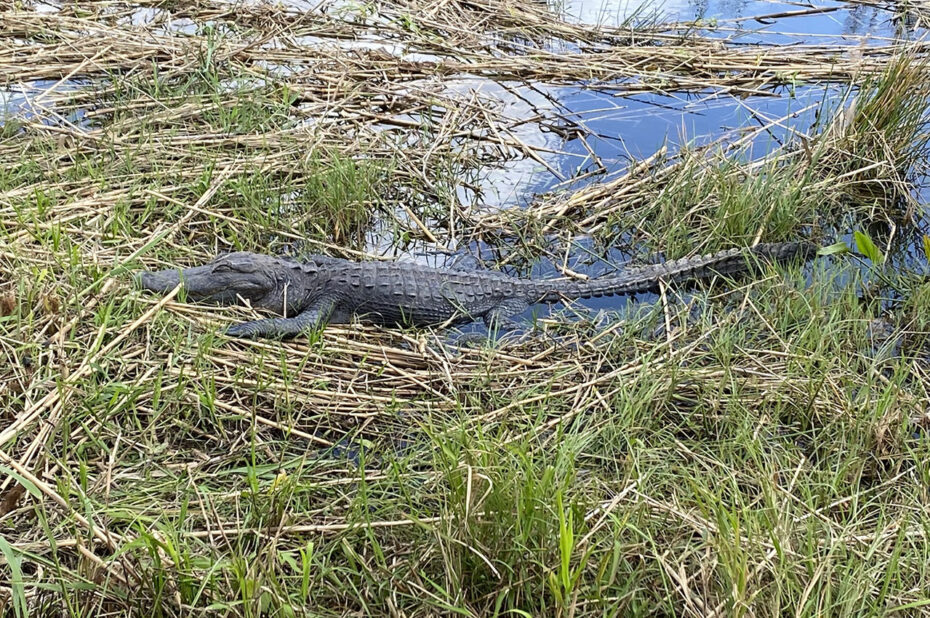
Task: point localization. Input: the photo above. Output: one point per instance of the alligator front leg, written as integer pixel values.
(284, 328)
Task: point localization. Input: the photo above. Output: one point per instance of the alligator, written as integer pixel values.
(321, 289)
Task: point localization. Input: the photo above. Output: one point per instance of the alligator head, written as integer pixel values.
(228, 280)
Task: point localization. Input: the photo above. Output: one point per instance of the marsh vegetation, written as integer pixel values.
(750, 447)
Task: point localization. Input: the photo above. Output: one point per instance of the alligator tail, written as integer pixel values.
(647, 278)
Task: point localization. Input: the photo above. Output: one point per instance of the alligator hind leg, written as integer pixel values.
(499, 318)
(498, 321)
(284, 328)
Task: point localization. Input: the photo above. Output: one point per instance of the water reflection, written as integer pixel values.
(792, 21)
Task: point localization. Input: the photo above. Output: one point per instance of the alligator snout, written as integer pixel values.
(158, 281)
(214, 282)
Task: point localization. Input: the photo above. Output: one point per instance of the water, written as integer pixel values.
(621, 128)
(800, 21)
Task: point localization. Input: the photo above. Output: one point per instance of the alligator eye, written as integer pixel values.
(222, 267)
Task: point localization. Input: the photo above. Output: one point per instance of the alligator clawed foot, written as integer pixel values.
(470, 340)
(239, 331)
(493, 339)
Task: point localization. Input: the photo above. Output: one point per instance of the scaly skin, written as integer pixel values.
(325, 289)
